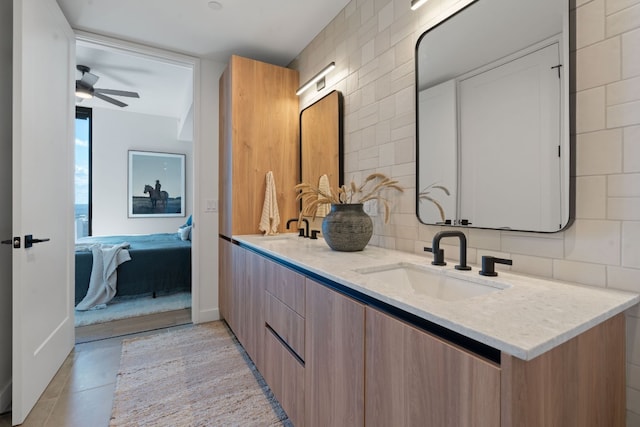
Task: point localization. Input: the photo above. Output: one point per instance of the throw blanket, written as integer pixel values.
(102, 284)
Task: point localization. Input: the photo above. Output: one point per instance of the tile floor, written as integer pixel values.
(81, 393)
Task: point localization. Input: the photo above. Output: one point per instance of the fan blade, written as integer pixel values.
(89, 79)
(118, 92)
(109, 99)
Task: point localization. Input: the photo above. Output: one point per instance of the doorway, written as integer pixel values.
(145, 124)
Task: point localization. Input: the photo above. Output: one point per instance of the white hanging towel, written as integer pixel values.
(270, 216)
(323, 185)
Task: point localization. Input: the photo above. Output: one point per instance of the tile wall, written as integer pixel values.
(373, 42)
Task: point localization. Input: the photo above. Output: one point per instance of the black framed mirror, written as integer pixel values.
(493, 145)
(321, 141)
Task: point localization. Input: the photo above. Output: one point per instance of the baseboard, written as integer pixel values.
(5, 398)
(204, 316)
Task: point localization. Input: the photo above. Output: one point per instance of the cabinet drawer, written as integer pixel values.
(285, 376)
(286, 285)
(285, 322)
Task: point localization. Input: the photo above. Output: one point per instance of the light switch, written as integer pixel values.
(211, 205)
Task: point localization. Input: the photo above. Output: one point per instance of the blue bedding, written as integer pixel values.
(160, 263)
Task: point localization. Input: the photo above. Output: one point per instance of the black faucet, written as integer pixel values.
(438, 254)
(488, 265)
(301, 231)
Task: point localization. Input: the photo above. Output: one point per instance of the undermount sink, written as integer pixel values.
(435, 284)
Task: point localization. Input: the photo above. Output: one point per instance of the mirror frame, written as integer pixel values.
(567, 117)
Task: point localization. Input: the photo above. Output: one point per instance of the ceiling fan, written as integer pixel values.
(85, 89)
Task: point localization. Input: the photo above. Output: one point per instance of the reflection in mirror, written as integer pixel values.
(321, 141)
(493, 146)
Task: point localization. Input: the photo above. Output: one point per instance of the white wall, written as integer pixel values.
(6, 38)
(114, 133)
(373, 42)
(205, 238)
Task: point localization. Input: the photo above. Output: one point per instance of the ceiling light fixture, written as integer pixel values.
(326, 70)
(83, 92)
(417, 3)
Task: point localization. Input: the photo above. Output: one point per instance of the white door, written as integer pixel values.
(42, 196)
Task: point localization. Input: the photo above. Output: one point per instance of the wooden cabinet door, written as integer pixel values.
(334, 364)
(225, 268)
(253, 307)
(416, 379)
(238, 293)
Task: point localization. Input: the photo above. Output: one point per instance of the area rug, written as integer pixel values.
(123, 308)
(198, 376)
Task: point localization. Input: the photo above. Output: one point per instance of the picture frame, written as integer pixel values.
(156, 184)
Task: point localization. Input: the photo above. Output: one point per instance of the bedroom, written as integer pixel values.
(156, 123)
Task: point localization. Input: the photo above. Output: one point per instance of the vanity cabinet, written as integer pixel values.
(337, 360)
(284, 337)
(415, 378)
(334, 368)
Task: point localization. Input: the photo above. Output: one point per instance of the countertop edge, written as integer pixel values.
(484, 338)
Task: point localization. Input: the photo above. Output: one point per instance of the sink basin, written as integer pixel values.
(423, 281)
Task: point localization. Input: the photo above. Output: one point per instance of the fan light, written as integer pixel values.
(83, 93)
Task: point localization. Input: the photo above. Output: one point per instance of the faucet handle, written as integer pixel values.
(438, 258)
(314, 234)
(488, 265)
(301, 232)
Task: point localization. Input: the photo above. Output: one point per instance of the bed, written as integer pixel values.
(160, 263)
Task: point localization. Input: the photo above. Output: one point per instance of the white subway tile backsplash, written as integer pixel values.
(623, 114)
(623, 91)
(598, 64)
(593, 241)
(385, 17)
(623, 21)
(599, 153)
(623, 208)
(631, 244)
(630, 57)
(624, 279)
(533, 244)
(627, 185)
(536, 266)
(631, 149)
(484, 239)
(590, 110)
(591, 197)
(580, 272)
(633, 376)
(592, 19)
(614, 6)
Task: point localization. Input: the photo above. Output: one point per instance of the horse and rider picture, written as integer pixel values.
(156, 184)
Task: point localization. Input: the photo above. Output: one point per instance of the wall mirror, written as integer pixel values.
(492, 105)
(321, 141)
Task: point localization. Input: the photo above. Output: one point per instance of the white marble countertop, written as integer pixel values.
(527, 318)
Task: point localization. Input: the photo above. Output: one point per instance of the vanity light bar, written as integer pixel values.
(326, 70)
(417, 3)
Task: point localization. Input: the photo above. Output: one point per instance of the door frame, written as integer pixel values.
(116, 45)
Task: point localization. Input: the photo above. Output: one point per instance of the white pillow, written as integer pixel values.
(185, 232)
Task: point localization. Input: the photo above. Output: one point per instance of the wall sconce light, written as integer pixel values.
(417, 3)
(318, 78)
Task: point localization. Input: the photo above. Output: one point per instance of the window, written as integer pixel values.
(83, 172)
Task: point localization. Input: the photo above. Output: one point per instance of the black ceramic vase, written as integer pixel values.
(347, 228)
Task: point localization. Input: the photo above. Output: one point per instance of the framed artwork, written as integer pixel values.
(156, 184)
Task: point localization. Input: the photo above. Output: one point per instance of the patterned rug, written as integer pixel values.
(124, 308)
(199, 376)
